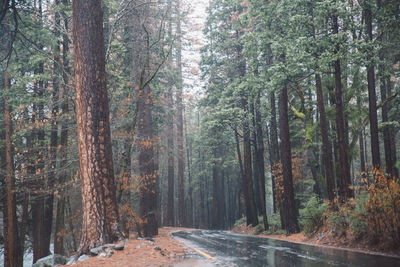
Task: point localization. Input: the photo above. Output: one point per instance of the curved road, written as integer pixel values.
(228, 249)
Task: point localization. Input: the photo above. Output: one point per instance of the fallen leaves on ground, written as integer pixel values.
(143, 253)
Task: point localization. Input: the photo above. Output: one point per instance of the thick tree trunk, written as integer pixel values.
(289, 205)
(100, 214)
(345, 179)
(326, 143)
(373, 117)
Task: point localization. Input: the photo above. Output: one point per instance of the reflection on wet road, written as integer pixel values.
(240, 250)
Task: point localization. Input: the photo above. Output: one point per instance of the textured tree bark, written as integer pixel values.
(373, 117)
(289, 205)
(345, 179)
(326, 143)
(11, 245)
(59, 225)
(100, 214)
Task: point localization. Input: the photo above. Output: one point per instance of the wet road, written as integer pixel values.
(227, 249)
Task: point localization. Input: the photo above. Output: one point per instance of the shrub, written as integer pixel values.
(383, 210)
(313, 215)
(240, 221)
(259, 229)
(358, 217)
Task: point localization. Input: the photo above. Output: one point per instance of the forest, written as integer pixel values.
(124, 116)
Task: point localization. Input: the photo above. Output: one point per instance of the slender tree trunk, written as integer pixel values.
(179, 118)
(170, 138)
(260, 160)
(60, 223)
(11, 245)
(190, 190)
(215, 192)
(256, 175)
(100, 213)
(373, 117)
(49, 199)
(289, 205)
(345, 181)
(251, 212)
(386, 131)
(326, 143)
(38, 207)
(392, 134)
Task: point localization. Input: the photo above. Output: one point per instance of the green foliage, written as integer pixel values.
(357, 218)
(240, 221)
(259, 229)
(312, 216)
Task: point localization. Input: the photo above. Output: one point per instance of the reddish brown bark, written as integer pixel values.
(11, 246)
(326, 143)
(100, 217)
(289, 205)
(345, 179)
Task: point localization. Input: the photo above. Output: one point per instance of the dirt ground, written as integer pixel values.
(142, 253)
(325, 239)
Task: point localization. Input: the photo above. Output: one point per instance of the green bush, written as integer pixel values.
(358, 217)
(312, 216)
(259, 229)
(240, 221)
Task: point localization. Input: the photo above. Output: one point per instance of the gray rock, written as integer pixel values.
(102, 255)
(51, 261)
(72, 259)
(96, 251)
(83, 257)
(119, 246)
(108, 252)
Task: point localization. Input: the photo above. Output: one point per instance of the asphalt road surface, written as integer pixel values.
(220, 248)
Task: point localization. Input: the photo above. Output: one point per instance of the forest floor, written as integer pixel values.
(324, 238)
(164, 251)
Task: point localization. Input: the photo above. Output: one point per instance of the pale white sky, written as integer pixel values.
(193, 41)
